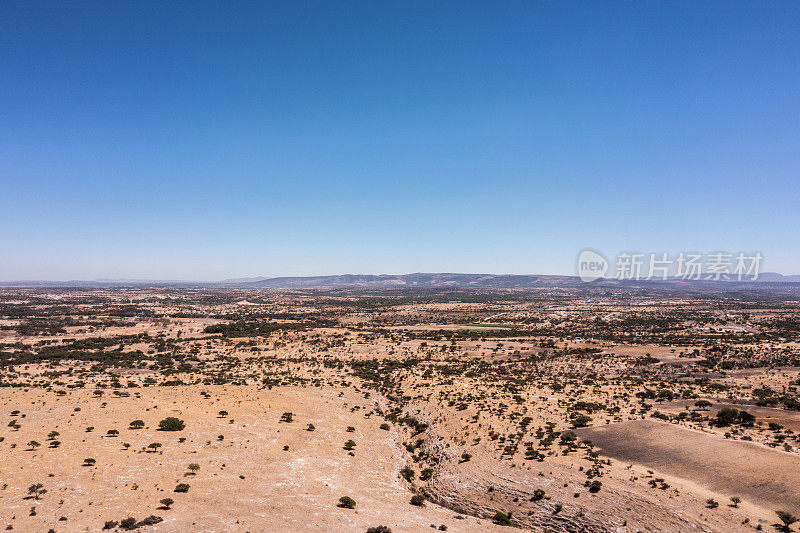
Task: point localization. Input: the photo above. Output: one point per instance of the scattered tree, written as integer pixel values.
(787, 518)
(502, 519)
(347, 502)
(171, 424)
(36, 490)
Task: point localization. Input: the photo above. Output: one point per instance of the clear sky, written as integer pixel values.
(202, 141)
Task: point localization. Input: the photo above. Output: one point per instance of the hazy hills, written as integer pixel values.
(509, 281)
(415, 280)
(420, 279)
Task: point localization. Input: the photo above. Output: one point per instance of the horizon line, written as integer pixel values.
(257, 279)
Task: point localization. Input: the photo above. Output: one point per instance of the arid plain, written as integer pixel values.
(189, 408)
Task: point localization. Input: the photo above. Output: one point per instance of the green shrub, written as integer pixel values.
(502, 519)
(347, 502)
(408, 473)
(580, 421)
(171, 424)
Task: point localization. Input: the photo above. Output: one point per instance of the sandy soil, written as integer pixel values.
(246, 482)
(736, 468)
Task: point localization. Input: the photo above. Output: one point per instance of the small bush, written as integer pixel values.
(182, 487)
(347, 502)
(171, 424)
(568, 436)
(150, 521)
(502, 519)
(580, 421)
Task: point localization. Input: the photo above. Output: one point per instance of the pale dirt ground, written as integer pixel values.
(247, 482)
(295, 490)
(626, 502)
(666, 354)
(753, 472)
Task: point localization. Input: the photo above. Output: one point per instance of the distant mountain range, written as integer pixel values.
(415, 280)
(462, 280)
(774, 276)
(388, 281)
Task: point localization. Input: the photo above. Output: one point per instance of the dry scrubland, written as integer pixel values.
(554, 409)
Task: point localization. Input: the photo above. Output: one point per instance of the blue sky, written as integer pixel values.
(202, 141)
